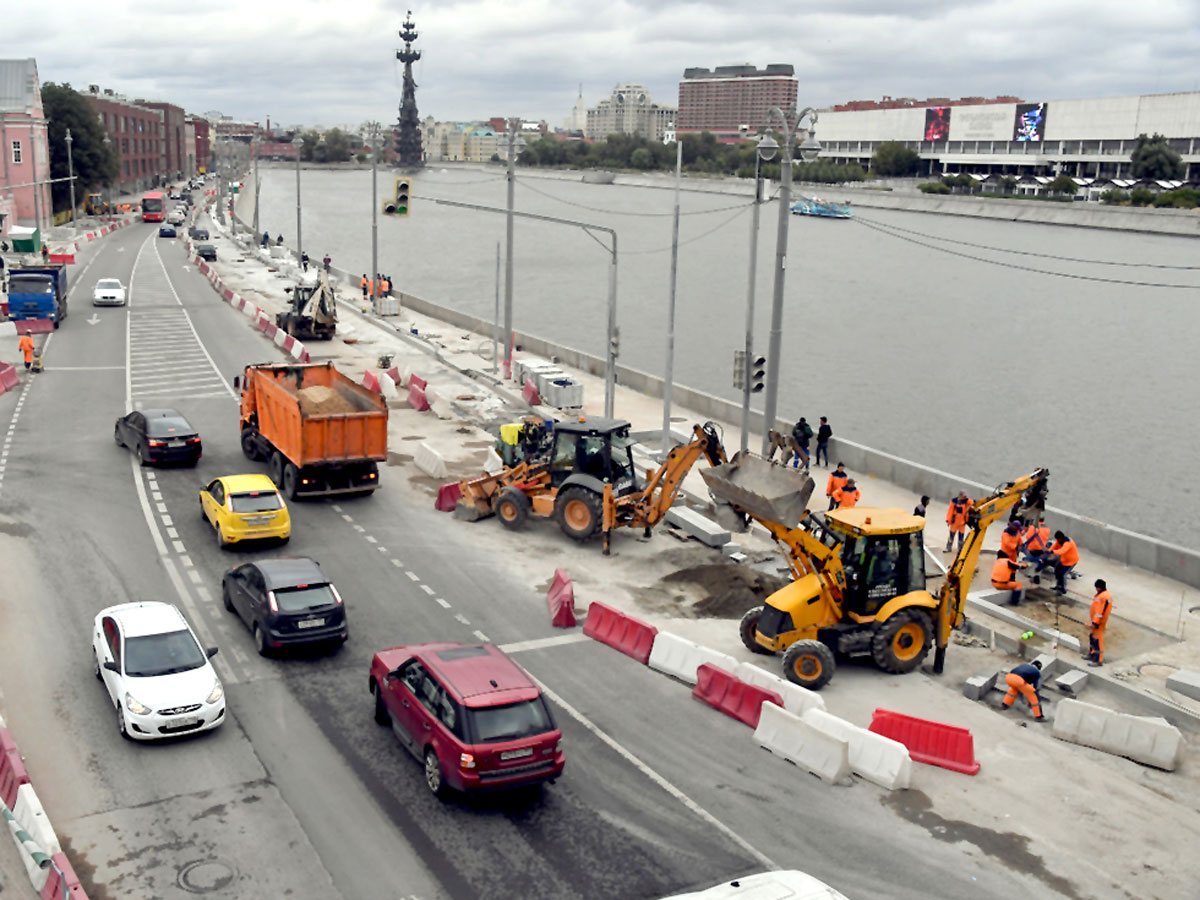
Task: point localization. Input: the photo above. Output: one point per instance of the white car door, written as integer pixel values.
(108, 649)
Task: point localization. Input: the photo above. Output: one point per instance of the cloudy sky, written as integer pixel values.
(304, 61)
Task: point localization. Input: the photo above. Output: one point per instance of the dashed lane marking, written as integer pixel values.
(413, 576)
(461, 618)
(442, 603)
(427, 589)
(397, 564)
(479, 634)
(371, 540)
(543, 643)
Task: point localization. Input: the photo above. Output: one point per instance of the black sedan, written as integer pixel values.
(207, 251)
(159, 436)
(285, 602)
(166, 231)
(197, 233)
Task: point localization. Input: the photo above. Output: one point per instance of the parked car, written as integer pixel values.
(175, 218)
(158, 677)
(108, 292)
(473, 716)
(245, 508)
(207, 251)
(787, 884)
(285, 602)
(159, 436)
(166, 231)
(196, 233)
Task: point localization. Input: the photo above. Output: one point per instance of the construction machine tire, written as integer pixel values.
(513, 508)
(579, 512)
(809, 664)
(747, 629)
(901, 643)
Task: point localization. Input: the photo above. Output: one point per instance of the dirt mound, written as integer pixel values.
(724, 590)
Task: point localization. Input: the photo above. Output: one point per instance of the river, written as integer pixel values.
(908, 343)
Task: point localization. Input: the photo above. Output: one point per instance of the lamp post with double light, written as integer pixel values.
(71, 179)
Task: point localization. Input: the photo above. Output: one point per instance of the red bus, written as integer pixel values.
(154, 206)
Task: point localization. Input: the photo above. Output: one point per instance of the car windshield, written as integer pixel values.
(166, 426)
(511, 722)
(306, 597)
(108, 284)
(162, 654)
(255, 501)
(18, 285)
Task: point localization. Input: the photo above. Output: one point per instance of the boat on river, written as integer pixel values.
(815, 206)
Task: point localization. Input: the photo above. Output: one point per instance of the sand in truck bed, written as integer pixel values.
(319, 400)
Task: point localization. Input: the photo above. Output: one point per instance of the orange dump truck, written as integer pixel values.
(320, 432)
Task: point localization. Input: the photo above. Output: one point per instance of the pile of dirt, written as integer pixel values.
(726, 589)
(319, 400)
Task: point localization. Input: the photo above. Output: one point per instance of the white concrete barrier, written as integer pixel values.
(1151, 741)
(796, 699)
(680, 657)
(30, 815)
(874, 757)
(430, 461)
(796, 740)
(25, 848)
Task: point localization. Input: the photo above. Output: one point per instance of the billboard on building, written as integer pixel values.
(937, 123)
(990, 122)
(1029, 124)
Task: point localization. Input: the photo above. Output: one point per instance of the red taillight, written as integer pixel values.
(156, 443)
(193, 440)
(271, 601)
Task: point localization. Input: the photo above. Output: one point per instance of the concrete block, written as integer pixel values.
(1071, 682)
(700, 527)
(1009, 644)
(789, 736)
(1150, 741)
(430, 461)
(796, 699)
(29, 813)
(680, 657)
(1185, 682)
(876, 758)
(979, 686)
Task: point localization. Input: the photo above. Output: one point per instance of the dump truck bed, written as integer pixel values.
(315, 415)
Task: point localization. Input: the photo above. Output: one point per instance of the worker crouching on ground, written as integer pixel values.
(1101, 607)
(1004, 576)
(1024, 679)
(956, 518)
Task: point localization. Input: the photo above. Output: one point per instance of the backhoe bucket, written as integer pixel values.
(773, 493)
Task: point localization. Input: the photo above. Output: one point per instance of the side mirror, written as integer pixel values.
(211, 652)
(237, 381)
(112, 667)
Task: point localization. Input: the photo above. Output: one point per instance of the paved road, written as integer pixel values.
(300, 792)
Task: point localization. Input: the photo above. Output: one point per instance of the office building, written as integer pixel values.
(629, 110)
(732, 101)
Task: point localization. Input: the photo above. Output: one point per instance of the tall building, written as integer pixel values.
(174, 147)
(137, 136)
(731, 101)
(630, 110)
(577, 120)
(203, 131)
(23, 145)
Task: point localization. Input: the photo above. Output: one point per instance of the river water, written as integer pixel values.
(968, 359)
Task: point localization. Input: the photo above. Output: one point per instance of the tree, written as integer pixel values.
(308, 152)
(893, 158)
(641, 158)
(1063, 184)
(1153, 158)
(95, 165)
(337, 146)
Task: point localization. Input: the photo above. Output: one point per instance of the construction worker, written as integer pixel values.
(325, 262)
(1034, 541)
(1024, 679)
(365, 284)
(385, 287)
(1064, 554)
(847, 495)
(837, 478)
(1004, 576)
(1010, 539)
(956, 518)
(266, 239)
(1101, 607)
(25, 345)
(801, 435)
(920, 508)
(824, 433)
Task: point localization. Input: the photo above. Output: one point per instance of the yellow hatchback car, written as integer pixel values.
(245, 508)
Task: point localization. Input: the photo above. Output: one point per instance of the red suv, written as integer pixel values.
(473, 716)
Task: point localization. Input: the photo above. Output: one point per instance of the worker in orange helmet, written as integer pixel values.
(1101, 607)
(847, 495)
(1004, 576)
(1024, 680)
(837, 478)
(956, 518)
(1065, 555)
(25, 345)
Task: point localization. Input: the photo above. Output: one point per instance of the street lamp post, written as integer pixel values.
(108, 185)
(376, 145)
(669, 377)
(299, 142)
(71, 180)
(764, 151)
(514, 144)
(254, 144)
(809, 149)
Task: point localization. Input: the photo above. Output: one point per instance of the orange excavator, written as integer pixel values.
(582, 475)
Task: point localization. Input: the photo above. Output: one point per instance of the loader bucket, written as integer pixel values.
(773, 493)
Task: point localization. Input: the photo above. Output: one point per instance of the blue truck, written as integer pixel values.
(38, 292)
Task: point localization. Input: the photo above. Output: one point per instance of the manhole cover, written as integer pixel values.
(207, 875)
(1156, 670)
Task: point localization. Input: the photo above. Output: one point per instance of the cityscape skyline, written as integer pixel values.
(484, 58)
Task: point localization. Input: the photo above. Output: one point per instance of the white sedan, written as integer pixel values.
(109, 292)
(782, 885)
(159, 679)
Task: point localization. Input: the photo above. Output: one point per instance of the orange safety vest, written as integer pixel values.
(362, 282)
(1009, 543)
(846, 499)
(956, 515)
(1068, 553)
(1003, 572)
(836, 480)
(384, 286)
(25, 345)
(1101, 607)
(1035, 538)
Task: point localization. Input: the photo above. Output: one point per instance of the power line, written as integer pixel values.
(621, 212)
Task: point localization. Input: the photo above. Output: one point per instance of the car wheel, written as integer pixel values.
(117, 436)
(260, 641)
(382, 716)
(433, 774)
(99, 677)
(226, 599)
(121, 727)
(141, 457)
(220, 537)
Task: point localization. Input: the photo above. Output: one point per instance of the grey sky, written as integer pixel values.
(304, 61)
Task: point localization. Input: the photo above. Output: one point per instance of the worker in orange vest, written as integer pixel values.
(25, 345)
(1004, 576)
(365, 284)
(837, 478)
(1065, 555)
(847, 495)
(385, 286)
(1034, 541)
(1010, 538)
(956, 518)
(1101, 607)
(1024, 679)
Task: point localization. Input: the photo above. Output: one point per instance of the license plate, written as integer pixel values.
(516, 754)
(182, 722)
(310, 623)
(175, 443)
(258, 520)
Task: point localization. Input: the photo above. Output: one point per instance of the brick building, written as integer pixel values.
(136, 132)
(730, 100)
(175, 153)
(203, 132)
(23, 146)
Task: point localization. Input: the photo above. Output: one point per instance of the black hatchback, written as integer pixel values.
(159, 436)
(285, 602)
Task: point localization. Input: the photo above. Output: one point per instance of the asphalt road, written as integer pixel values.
(300, 792)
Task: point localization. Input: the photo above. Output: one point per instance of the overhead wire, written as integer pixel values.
(622, 212)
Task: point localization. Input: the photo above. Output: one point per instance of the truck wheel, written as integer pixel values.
(275, 468)
(250, 445)
(900, 643)
(512, 506)
(809, 664)
(578, 512)
(291, 480)
(747, 628)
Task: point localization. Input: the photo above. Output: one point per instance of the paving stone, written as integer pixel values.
(1185, 682)
(1071, 682)
(700, 527)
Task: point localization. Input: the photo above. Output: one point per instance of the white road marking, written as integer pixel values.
(479, 634)
(371, 540)
(179, 548)
(195, 576)
(382, 549)
(397, 564)
(574, 637)
(442, 603)
(427, 589)
(336, 507)
(156, 496)
(166, 520)
(172, 533)
(162, 507)
(359, 529)
(347, 518)
(461, 618)
(413, 576)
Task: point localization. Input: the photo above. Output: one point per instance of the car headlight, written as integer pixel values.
(217, 693)
(136, 708)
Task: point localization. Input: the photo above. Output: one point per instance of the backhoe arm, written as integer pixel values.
(664, 483)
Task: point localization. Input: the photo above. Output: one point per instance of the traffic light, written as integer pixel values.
(399, 205)
(758, 373)
(739, 369)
